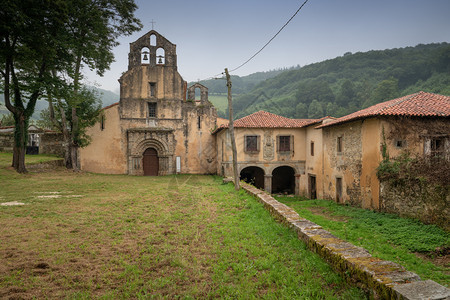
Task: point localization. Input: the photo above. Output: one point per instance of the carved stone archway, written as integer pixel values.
(140, 139)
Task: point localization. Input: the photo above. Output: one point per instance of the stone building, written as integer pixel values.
(155, 129)
(272, 153)
(337, 159)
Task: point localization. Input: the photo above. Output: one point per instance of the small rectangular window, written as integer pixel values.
(437, 147)
(199, 122)
(152, 89)
(102, 123)
(152, 110)
(312, 148)
(251, 143)
(339, 190)
(284, 143)
(339, 146)
(400, 143)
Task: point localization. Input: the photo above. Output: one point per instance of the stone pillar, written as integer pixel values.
(297, 184)
(268, 183)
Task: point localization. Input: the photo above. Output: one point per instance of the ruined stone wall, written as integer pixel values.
(418, 200)
(6, 142)
(51, 143)
(346, 164)
(416, 193)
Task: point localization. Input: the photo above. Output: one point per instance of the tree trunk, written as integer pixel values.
(74, 142)
(231, 128)
(21, 135)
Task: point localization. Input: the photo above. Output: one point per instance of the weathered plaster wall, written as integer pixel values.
(371, 157)
(413, 132)
(106, 153)
(314, 163)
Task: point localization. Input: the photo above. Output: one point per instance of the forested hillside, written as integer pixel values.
(345, 84)
(242, 84)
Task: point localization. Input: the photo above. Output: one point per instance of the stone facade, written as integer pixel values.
(154, 113)
(344, 163)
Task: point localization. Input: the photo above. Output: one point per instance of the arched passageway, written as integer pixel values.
(150, 162)
(254, 176)
(283, 180)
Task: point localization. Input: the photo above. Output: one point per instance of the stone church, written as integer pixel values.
(158, 127)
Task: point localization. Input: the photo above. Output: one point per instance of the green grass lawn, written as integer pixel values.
(419, 248)
(84, 235)
(220, 102)
(6, 159)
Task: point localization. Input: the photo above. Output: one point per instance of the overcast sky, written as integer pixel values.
(211, 35)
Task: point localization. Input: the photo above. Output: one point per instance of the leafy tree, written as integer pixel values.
(315, 110)
(443, 60)
(318, 90)
(7, 120)
(346, 94)
(93, 30)
(30, 42)
(301, 111)
(386, 90)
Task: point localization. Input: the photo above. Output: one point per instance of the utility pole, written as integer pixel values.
(231, 128)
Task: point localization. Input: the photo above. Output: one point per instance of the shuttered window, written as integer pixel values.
(251, 143)
(285, 143)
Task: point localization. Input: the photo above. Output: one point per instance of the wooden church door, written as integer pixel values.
(150, 162)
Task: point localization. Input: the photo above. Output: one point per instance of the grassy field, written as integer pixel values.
(420, 248)
(220, 102)
(82, 235)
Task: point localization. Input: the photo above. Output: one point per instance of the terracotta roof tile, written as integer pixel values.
(263, 119)
(420, 104)
(109, 106)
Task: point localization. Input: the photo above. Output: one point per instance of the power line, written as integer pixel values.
(243, 64)
(253, 56)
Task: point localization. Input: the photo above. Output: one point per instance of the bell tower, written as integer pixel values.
(152, 49)
(151, 81)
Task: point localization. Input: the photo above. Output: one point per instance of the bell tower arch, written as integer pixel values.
(159, 50)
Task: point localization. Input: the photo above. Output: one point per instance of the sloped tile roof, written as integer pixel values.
(420, 104)
(264, 119)
(109, 106)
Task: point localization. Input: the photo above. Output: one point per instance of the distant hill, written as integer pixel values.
(344, 84)
(107, 98)
(241, 84)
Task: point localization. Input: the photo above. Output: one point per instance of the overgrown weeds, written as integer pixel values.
(385, 235)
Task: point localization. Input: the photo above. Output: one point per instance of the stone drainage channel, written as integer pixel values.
(385, 279)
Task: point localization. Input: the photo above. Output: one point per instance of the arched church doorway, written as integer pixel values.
(254, 176)
(150, 162)
(283, 180)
